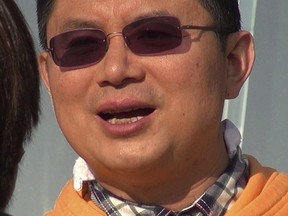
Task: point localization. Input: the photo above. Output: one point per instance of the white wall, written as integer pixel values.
(266, 125)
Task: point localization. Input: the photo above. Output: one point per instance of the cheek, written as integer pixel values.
(189, 74)
(69, 92)
(69, 88)
(192, 84)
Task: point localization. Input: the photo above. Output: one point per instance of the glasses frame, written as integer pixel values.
(216, 29)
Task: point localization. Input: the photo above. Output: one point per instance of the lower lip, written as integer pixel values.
(120, 130)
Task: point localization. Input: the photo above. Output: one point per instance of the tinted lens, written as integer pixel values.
(78, 48)
(153, 35)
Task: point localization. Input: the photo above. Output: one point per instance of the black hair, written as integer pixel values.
(19, 95)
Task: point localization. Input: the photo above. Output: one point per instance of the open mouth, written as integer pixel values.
(126, 116)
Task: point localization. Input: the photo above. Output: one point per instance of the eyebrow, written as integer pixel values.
(77, 24)
(73, 24)
(153, 13)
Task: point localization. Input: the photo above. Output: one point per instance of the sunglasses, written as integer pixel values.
(150, 36)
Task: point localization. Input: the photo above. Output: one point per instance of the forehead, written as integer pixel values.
(114, 12)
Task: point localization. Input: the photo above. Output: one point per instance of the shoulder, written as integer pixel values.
(265, 193)
(73, 203)
(266, 177)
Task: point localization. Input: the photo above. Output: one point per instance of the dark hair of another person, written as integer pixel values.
(225, 13)
(19, 94)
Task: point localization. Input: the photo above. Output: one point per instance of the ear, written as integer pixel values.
(43, 67)
(240, 53)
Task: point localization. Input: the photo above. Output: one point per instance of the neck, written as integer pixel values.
(175, 188)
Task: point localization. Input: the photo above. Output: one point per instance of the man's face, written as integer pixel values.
(131, 112)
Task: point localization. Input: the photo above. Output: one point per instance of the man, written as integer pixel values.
(138, 89)
(19, 95)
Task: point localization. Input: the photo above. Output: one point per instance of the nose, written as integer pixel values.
(118, 67)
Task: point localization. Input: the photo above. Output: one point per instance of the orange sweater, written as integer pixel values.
(265, 194)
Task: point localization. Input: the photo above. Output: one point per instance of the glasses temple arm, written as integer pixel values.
(210, 28)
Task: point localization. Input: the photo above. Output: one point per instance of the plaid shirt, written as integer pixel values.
(215, 201)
